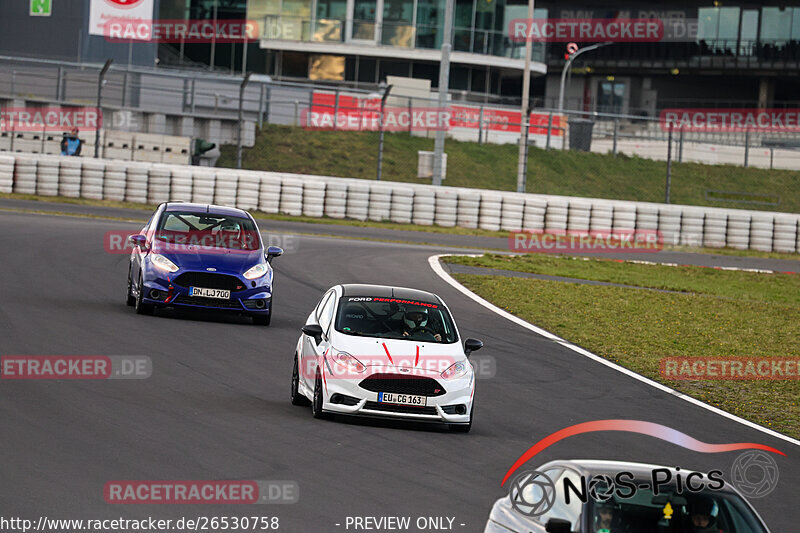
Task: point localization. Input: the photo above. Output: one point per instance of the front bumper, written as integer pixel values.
(250, 300)
(347, 396)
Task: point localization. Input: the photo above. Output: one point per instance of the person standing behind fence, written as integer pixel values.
(71, 144)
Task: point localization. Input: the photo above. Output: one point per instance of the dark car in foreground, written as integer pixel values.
(204, 257)
(714, 507)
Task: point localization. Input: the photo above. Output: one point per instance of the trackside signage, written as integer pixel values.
(101, 11)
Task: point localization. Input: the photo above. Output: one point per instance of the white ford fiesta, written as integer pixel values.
(380, 351)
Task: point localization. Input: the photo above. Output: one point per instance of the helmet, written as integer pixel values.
(416, 318)
(703, 512)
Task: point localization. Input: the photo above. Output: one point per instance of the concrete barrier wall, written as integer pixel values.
(297, 194)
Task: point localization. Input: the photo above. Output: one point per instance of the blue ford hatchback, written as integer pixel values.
(201, 256)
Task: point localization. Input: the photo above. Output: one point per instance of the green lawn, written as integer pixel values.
(722, 314)
(491, 166)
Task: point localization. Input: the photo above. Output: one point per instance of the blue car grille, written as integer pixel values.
(209, 281)
(207, 302)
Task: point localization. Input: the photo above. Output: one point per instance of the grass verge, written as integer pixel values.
(727, 314)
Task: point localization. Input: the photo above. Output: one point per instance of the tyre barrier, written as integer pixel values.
(761, 232)
(357, 200)
(25, 174)
(669, 224)
(269, 194)
(738, 231)
(317, 196)
(624, 217)
(490, 213)
(93, 172)
(424, 206)
(555, 218)
(469, 203)
(181, 186)
(785, 233)
(533, 213)
(313, 198)
(380, 203)
(579, 216)
(646, 217)
(225, 187)
(47, 175)
(204, 183)
(692, 227)
(601, 217)
(402, 205)
(6, 173)
(715, 229)
(158, 187)
(512, 212)
(291, 196)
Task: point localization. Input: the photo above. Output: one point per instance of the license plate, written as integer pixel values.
(402, 399)
(209, 293)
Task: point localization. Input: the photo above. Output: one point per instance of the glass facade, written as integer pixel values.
(479, 26)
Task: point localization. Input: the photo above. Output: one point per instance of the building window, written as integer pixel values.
(718, 29)
(326, 67)
(398, 16)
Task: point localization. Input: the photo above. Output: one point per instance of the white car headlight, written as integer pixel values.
(348, 361)
(456, 370)
(162, 263)
(257, 271)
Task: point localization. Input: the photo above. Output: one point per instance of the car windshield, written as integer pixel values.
(394, 318)
(701, 512)
(208, 230)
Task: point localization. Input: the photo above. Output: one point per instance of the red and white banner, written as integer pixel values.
(102, 11)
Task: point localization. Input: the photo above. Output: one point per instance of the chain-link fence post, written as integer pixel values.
(297, 112)
(680, 147)
(527, 154)
(746, 147)
(410, 116)
(616, 136)
(480, 126)
(669, 163)
(549, 131)
(335, 108)
(194, 93)
(260, 106)
(58, 83)
(771, 157)
(267, 105)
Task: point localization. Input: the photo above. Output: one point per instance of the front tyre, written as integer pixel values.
(463, 428)
(142, 308)
(297, 398)
(316, 403)
(131, 301)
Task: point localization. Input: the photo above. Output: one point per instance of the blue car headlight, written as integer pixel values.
(256, 271)
(162, 263)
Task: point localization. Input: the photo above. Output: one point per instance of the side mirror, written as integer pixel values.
(557, 525)
(313, 330)
(138, 240)
(472, 345)
(273, 252)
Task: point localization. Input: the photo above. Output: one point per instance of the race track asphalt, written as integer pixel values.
(217, 404)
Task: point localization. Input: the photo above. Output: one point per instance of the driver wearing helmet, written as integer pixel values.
(703, 513)
(607, 517)
(416, 320)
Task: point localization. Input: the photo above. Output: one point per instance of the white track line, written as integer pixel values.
(433, 261)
